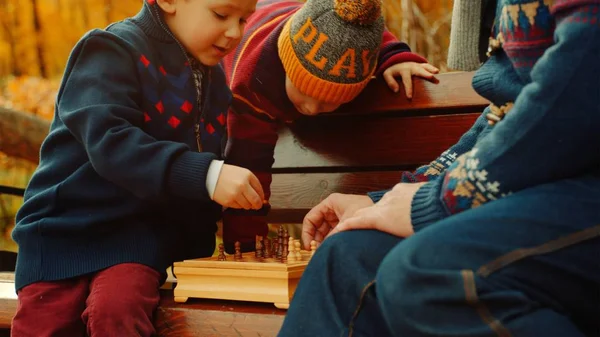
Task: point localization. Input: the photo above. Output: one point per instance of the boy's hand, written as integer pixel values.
(407, 70)
(237, 187)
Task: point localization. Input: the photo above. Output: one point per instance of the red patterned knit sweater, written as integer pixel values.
(256, 77)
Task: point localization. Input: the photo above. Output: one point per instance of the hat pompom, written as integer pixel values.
(360, 12)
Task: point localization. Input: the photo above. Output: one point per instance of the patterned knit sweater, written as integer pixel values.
(257, 79)
(120, 178)
(547, 71)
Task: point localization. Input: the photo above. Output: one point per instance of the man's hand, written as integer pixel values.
(321, 219)
(390, 215)
(237, 187)
(407, 70)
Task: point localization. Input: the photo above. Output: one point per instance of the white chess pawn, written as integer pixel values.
(291, 256)
(297, 249)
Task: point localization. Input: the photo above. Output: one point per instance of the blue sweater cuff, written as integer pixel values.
(377, 195)
(187, 177)
(427, 206)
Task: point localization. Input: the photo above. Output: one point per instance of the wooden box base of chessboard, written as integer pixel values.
(245, 277)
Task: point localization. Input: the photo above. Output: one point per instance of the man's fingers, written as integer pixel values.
(313, 220)
(389, 77)
(362, 219)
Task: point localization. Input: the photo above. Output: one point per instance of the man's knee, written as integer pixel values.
(410, 281)
(357, 247)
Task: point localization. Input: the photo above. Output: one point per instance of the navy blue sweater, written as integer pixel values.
(120, 177)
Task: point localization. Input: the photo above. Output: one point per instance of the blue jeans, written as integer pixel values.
(525, 265)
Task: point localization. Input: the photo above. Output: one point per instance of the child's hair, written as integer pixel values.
(329, 49)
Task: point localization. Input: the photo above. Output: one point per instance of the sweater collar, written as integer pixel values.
(150, 20)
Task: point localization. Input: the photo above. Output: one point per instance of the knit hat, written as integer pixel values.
(329, 48)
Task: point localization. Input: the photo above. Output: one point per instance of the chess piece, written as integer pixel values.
(275, 248)
(238, 251)
(221, 256)
(313, 247)
(279, 243)
(258, 252)
(291, 257)
(267, 248)
(284, 253)
(297, 250)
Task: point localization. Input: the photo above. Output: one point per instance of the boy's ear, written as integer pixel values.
(168, 6)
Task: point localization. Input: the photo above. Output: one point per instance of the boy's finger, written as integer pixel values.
(253, 199)
(431, 68)
(407, 81)
(235, 205)
(255, 183)
(243, 201)
(389, 78)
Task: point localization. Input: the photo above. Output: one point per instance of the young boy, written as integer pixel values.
(302, 59)
(505, 240)
(126, 183)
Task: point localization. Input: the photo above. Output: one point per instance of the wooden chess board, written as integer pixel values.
(249, 279)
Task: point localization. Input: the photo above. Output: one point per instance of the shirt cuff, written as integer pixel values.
(427, 206)
(214, 171)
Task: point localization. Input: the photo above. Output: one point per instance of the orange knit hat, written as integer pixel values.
(329, 48)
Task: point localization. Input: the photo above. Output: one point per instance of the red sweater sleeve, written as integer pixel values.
(393, 51)
(257, 81)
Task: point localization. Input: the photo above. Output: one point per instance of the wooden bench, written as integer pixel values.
(362, 148)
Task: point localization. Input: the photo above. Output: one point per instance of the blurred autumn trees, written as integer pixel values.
(36, 36)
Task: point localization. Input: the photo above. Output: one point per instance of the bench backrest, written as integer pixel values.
(366, 146)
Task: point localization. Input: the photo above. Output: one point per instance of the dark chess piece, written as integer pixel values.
(267, 248)
(238, 251)
(275, 247)
(279, 239)
(258, 251)
(285, 251)
(221, 256)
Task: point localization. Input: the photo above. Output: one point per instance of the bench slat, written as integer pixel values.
(453, 93)
(216, 318)
(352, 142)
(294, 194)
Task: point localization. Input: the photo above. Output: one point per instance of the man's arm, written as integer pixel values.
(550, 134)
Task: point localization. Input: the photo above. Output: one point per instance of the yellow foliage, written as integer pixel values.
(36, 36)
(30, 94)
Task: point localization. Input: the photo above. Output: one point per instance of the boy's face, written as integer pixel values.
(307, 105)
(207, 29)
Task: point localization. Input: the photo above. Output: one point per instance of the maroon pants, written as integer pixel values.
(118, 301)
